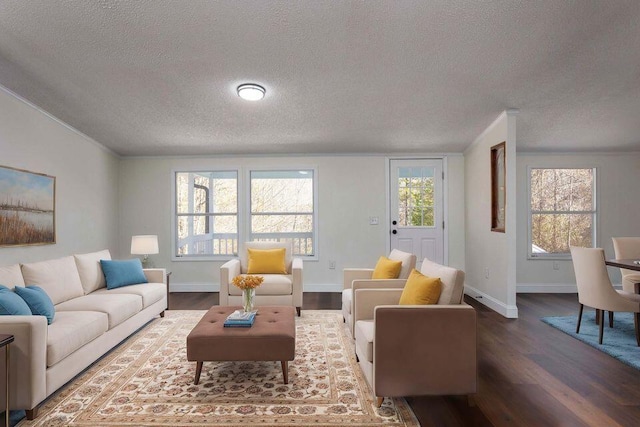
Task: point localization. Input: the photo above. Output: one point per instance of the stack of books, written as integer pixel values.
(240, 319)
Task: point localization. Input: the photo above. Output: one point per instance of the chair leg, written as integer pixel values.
(579, 318)
(636, 324)
(611, 319)
(601, 324)
(298, 310)
(379, 401)
(597, 316)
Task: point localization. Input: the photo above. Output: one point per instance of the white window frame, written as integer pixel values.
(530, 213)
(244, 208)
(175, 214)
(247, 199)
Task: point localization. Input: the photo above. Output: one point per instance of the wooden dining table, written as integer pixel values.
(629, 264)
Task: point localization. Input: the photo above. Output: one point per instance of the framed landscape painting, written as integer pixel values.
(498, 187)
(27, 208)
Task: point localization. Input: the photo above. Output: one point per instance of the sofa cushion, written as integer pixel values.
(407, 259)
(11, 276)
(11, 304)
(38, 301)
(274, 284)
(266, 261)
(123, 272)
(72, 330)
(420, 289)
(451, 278)
(150, 292)
(386, 269)
(244, 255)
(365, 331)
(90, 271)
(58, 277)
(118, 307)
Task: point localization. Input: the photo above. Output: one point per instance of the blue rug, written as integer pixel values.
(618, 342)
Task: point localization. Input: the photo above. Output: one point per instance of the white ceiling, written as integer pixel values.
(158, 77)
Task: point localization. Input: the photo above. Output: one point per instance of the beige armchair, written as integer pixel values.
(628, 248)
(413, 350)
(361, 278)
(595, 289)
(277, 289)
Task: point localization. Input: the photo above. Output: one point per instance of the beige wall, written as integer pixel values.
(618, 204)
(490, 256)
(86, 180)
(351, 189)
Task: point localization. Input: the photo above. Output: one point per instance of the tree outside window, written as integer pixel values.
(563, 211)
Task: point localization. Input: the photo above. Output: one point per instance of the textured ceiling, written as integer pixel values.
(158, 77)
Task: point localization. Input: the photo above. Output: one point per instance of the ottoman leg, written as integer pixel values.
(198, 371)
(285, 371)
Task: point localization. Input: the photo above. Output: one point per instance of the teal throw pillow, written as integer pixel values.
(11, 304)
(122, 273)
(38, 301)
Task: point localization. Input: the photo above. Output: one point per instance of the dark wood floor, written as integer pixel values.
(530, 374)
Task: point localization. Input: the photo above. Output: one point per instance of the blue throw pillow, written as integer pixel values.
(38, 301)
(11, 304)
(122, 273)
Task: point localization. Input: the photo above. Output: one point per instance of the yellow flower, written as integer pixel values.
(248, 281)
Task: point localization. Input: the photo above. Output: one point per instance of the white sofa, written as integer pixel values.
(89, 321)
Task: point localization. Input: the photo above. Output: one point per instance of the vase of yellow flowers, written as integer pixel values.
(248, 284)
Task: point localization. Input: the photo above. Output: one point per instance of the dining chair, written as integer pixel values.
(628, 248)
(595, 289)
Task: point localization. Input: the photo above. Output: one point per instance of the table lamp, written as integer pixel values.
(144, 245)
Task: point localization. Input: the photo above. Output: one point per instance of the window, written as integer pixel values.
(206, 213)
(282, 208)
(211, 217)
(415, 197)
(562, 211)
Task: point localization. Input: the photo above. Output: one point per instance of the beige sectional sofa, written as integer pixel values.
(89, 321)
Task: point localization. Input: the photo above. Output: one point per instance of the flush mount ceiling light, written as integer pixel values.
(251, 92)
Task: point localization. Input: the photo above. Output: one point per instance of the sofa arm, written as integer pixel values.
(228, 271)
(28, 361)
(155, 275)
(366, 300)
(374, 284)
(424, 350)
(351, 274)
(296, 278)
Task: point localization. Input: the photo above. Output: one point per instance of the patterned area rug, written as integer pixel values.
(147, 381)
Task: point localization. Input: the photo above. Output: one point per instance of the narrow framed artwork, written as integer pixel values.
(27, 208)
(498, 187)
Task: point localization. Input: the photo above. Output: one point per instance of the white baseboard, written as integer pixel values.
(546, 288)
(194, 287)
(508, 311)
(323, 287)
(215, 287)
(551, 288)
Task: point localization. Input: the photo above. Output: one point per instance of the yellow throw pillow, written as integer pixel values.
(266, 261)
(386, 269)
(421, 289)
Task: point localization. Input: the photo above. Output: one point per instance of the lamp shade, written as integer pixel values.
(144, 245)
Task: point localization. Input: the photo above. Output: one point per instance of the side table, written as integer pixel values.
(5, 340)
(168, 299)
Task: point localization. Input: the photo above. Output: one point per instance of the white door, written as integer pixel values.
(416, 211)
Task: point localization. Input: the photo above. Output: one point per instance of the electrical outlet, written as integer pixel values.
(487, 272)
(373, 220)
(556, 265)
(332, 265)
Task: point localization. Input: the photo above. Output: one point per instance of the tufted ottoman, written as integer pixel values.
(272, 337)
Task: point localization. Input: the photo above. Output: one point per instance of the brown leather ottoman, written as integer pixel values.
(271, 337)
